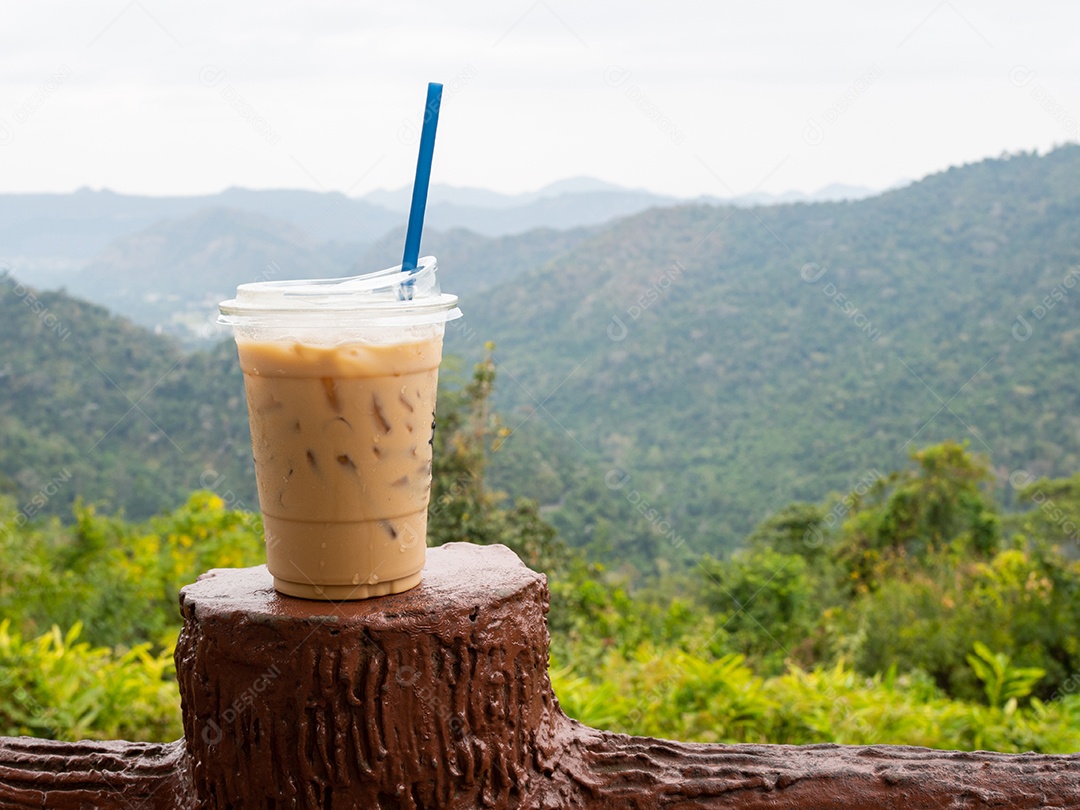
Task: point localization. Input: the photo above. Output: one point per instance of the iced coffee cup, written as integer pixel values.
(341, 377)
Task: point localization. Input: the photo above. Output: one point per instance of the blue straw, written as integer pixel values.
(423, 178)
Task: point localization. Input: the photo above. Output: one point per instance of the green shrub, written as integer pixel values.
(58, 687)
(120, 580)
(687, 697)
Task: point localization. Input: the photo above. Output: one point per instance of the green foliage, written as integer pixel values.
(908, 608)
(905, 611)
(68, 428)
(120, 579)
(797, 528)
(697, 698)
(789, 647)
(114, 584)
(462, 508)
(1052, 511)
(913, 515)
(1004, 683)
(764, 601)
(930, 567)
(58, 687)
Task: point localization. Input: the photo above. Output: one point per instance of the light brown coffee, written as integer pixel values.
(342, 444)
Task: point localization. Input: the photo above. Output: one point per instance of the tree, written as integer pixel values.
(461, 507)
(911, 515)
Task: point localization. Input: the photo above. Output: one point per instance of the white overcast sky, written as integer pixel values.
(685, 98)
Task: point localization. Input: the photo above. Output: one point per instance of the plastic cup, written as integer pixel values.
(341, 377)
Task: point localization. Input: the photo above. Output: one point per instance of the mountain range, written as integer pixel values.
(165, 261)
(667, 379)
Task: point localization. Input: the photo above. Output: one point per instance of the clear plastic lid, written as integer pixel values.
(389, 296)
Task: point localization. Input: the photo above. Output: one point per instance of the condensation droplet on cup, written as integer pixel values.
(324, 545)
(403, 548)
(374, 578)
(355, 579)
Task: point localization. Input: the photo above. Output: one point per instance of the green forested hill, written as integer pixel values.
(724, 362)
(669, 379)
(94, 406)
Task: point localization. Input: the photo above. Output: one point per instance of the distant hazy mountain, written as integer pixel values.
(835, 192)
(564, 211)
(439, 194)
(571, 203)
(170, 276)
(165, 262)
(44, 238)
(456, 196)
